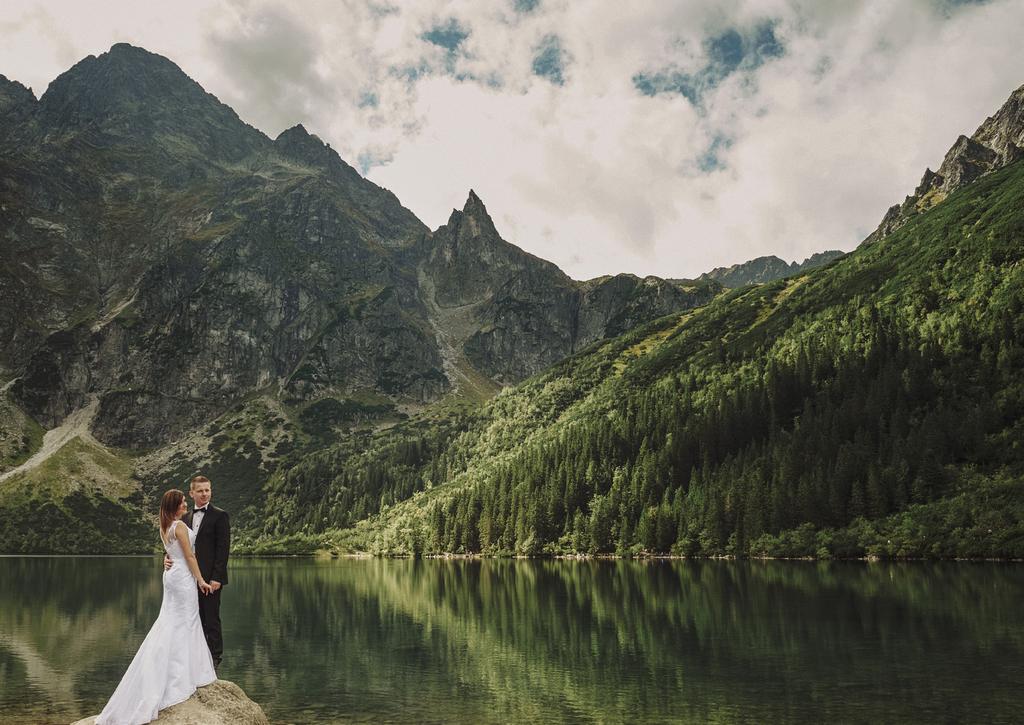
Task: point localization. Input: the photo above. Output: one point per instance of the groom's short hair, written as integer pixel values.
(198, 479)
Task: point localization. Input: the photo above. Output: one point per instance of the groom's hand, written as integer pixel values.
(214, 586)
(167, 562)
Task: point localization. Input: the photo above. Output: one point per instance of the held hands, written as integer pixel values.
(204, 587)
(214, 586)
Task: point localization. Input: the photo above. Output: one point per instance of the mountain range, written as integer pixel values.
(180, 292)
(169, 259)
(767, 269)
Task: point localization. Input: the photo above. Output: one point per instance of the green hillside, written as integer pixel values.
(80, 499)
(870, 407)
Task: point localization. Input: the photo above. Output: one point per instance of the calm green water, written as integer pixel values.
(543, 641)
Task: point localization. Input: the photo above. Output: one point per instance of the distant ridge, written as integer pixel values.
(767, 269)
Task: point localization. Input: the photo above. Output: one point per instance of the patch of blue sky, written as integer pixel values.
(711, 160)
(367, 160)
(491, 80)
(766, 43)
(549, 60)
(950, 8)
(726, 53)
(382, 9)
(448, 35)
(411, 73)
(368, 99)
(670, 81)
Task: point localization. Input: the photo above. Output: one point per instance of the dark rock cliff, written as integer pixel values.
(169, 259)
(528, 314)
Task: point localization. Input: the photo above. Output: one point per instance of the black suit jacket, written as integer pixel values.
(213, 544)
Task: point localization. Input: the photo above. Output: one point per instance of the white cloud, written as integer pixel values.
(812, 146)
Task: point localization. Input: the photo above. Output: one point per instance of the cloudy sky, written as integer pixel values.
(665, 139)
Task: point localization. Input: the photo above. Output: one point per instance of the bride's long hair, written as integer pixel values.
(169, 506)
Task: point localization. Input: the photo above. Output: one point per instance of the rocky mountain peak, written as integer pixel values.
(130, 95)
(755, 271)
(819, 259)
(766, 269)
(997, 142)
(965, 161)
(1004, 132)
(297, 144)
(929, 180)
(301, 145)
(14, 94)
(17, 104)
(468, 259)
(114, 81)
(473, 204)
(474, 221)
(185, 236)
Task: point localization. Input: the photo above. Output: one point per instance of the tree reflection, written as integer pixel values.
(597, 641)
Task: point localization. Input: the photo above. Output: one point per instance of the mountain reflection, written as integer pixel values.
(543, 641)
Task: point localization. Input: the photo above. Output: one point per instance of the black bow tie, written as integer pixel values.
(199, 511)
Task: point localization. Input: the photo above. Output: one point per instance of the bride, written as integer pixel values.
(174, 659)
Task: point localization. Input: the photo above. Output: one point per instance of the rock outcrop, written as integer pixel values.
(220, 703)
(997, 142)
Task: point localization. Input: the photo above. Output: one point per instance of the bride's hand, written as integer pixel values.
(204, 587)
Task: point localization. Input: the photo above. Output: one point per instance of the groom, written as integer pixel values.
(213, 543)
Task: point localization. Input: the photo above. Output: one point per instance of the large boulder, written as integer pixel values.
(220, 703)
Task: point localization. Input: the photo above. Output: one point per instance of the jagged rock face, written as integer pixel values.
(964, 162)
(997, 142)
(16, 105)
(525, 326)
(1004, 132)
(522, 307)
(469, 262)
(616, 304)
(282, 294)
(384, 220)
(530, 314)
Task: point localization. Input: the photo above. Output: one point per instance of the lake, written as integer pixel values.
(499, 641)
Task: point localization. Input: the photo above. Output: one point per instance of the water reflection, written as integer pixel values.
(543, 641)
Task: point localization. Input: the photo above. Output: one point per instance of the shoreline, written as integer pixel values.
(549, 557)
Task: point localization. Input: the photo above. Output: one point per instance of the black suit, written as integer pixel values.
(213, 544)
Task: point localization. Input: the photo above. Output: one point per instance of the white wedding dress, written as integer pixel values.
(174, 659)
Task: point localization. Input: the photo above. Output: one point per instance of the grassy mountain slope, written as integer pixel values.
(870, 407)
(82, 498)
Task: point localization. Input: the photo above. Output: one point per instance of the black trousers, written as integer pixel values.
(209, 615)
